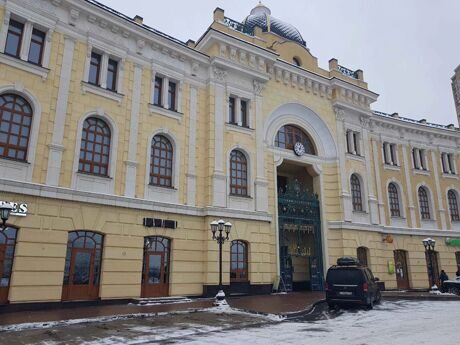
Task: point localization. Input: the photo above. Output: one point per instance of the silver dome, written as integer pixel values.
(261, 16)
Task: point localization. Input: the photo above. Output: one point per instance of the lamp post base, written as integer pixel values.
(220, 299)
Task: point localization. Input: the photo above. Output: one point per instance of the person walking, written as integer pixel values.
(442, 278)
(458, 273)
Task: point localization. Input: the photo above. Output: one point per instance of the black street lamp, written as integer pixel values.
(220, 226)
(429, 244)
(5, 210)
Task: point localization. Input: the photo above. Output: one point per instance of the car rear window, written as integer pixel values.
(344, 276)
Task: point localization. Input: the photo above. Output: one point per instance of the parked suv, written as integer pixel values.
(350, 283)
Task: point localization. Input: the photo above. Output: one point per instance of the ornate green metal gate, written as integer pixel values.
(299, 234)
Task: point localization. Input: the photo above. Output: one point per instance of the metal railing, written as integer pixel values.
(235, 25)
(348, 72)
(406, 119)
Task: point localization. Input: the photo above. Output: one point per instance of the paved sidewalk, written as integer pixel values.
(281, 304)
(420, 295)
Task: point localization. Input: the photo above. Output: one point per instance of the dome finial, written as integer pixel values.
(261, 9)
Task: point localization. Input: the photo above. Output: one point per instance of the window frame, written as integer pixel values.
(21, 37)
(161, 139)
(91, 162)
(111, 63)
(172, 95)
(241, 257)
(232, 110)
(452, 201)
(40, 44)
(158, 91)
(7, 146)
(239, 186)
(98, 67)
(394, 200)
(356, 193)
(424, 203)
(295, 133)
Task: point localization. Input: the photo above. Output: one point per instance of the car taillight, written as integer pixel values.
(365, 287)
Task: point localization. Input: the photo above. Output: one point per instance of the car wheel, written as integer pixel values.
(454, 290)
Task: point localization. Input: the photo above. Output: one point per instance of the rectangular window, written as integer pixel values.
(172, 96)
(14, 38)
(112, 75)
(414, 158)
(231, 110)
(450, 160)
(244, 114)
(37, 44)
(393, 154)
(94, 68)
(422, 160)
(385, 155)
(347, 136)
(443, 162)
(157, 93)
(356, 143)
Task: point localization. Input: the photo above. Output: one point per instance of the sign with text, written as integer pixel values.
(19, 209)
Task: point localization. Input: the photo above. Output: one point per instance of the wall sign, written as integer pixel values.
(18, 208)
(454, 242)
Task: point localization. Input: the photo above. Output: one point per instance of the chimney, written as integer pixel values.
(422, 121)
(139, 20)
(219, 15)
(191, 43)
(395, 115)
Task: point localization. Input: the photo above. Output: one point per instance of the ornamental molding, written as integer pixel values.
(220, 74)
(339, 114)
(258, 87)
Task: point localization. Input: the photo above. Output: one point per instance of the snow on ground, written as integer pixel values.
(405, 323)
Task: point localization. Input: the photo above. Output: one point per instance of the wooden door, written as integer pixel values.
(154, 278)
(457, 256)
(81, 285)
(3, 286)
(402, 272)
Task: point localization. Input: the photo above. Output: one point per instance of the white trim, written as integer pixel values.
(22, 170)
(455, 225)
(87, 182)
(308, 120)
(159, 110)
(60, 193)
(100, 91)
(24, 66)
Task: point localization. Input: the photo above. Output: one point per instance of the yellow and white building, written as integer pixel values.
(120, 144)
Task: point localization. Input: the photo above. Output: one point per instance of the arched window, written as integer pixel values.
(362, 256)
(356, 193)
(238, 261)
(296, 61)
(82, 266)
(161, 162)
(95, 147)
(288, 136)
(15, 126)
(424, 203)
(453, 206)
(7, 245)
(238, 173)
(394, 200)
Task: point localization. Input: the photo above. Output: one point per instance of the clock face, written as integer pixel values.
(299, 149)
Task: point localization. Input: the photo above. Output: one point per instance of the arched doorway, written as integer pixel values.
(7, 246)
(239, 274)
(363, 257)
(156, 270)
(301, 255)
(401, 269)
(82, 266)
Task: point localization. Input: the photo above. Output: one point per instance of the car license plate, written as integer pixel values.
(345, 293)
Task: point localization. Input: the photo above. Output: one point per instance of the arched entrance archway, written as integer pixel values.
(7, 246)
(156, 270)
(82, 266)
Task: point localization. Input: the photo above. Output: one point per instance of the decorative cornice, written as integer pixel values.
(220, 74)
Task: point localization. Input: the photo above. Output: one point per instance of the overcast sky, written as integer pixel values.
(408, 49)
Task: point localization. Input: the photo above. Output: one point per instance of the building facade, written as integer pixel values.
(119, 145)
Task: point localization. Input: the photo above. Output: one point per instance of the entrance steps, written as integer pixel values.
(161, 300)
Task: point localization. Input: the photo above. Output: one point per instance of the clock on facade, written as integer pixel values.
(299, 149)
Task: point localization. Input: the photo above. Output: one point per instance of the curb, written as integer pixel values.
(421, 298)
